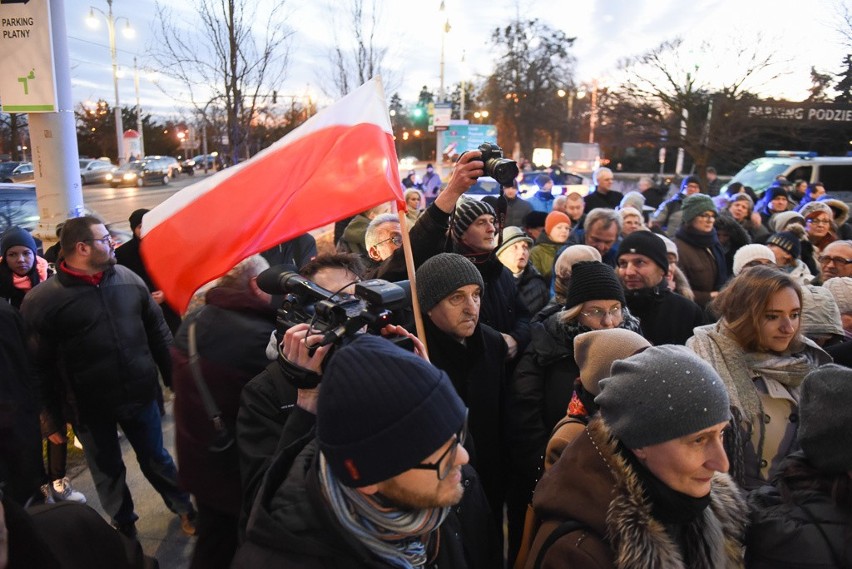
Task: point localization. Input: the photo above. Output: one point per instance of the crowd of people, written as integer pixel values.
(612, 380)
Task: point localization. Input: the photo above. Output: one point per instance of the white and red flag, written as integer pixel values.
(340, 162)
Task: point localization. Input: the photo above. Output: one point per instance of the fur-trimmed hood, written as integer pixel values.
(593, 484)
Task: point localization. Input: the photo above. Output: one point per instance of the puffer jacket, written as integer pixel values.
(104, 342)
(593, 484)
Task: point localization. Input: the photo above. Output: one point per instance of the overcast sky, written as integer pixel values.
(800, 34)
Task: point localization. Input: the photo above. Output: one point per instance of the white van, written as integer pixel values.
(833, 171)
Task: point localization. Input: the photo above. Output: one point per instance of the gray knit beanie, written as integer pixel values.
(383, 410)
(825, 413)
(443, 274)
(661, 394)
(466, 213)
(695, 205)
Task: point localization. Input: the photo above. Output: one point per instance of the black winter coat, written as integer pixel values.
(291, 525)
(666, 317)
(105, 342)
(130, 256)
(533, 289)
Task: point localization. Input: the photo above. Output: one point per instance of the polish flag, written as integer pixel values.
(339, 163)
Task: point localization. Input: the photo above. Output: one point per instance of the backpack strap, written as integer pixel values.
(562, 529)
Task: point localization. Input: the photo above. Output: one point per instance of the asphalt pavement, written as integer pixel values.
(159, 529)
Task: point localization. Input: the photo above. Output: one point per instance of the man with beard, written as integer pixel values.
(375, 483)
(666, 317)
(95, 328)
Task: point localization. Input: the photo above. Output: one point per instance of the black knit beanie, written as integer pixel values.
(16, 236)
(444, 274)
(648, 244)
(466, 213)
(593, 280)
(825, 409)
(382, 410)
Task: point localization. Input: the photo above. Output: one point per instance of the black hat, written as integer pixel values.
(773, 192)
(825, 409)
(17, 236)
(593, 280)
(541, 180)
(442, 275)
(648, 244)
(788, 242)
(690, 180)
(136, 218)
(383, 410)
(535, 218)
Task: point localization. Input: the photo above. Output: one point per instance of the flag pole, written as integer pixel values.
(409, 267)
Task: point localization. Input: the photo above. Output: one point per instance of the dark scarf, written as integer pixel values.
(707, 240)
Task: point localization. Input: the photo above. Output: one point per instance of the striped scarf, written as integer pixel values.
(399, 537)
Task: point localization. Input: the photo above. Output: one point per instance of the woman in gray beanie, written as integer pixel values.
(645, 485)
(700, 254)
(758, 348)
(805, 519)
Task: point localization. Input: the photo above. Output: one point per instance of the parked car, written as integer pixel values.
(168, 162)
(198, 161)
(18, 207)
(141, 172)
(21, 172)
(835, 172)
(94, 171)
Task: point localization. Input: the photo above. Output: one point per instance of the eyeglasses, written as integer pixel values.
(709, 216)
(818, 221)
(105, 239)
(396, 240)
(600, 313)
(444, 465)
(838, 261)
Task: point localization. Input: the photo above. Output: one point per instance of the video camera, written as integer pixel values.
(337, 316)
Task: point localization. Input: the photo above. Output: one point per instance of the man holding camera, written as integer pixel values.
(370, 468)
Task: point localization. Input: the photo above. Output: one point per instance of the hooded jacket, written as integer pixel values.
(593, 484)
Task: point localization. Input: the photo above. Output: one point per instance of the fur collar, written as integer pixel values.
(638, 541)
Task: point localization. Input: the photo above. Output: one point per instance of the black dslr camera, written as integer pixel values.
(501, 169)
(337, 316)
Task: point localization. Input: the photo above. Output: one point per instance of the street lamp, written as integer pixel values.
(128, 32)
(480, 115)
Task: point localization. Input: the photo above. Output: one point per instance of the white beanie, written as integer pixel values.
(671, 246)
(748, 253)
(841, 289)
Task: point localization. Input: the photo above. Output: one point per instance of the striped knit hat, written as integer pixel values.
(466, 213)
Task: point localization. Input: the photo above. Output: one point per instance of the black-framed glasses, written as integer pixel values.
(396, 240)
(444, 465)
(105, 240)
(708, 216)
(838, 261)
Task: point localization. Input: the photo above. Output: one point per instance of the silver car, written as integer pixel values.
(94, 171)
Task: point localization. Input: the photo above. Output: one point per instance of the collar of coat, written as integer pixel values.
(713, 540)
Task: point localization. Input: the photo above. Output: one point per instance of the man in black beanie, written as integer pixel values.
(642, 266)
(129, 256)
(375, 482)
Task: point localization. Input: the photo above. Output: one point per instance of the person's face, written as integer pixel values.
(534, 232)
(692, 188)
(516, 257)
(711, 176)
(480, 236)
(739, 210)
(782, 257)
(604, 182)
(429, 170)
(458, 313)
(600, 238)
(101, 248)
(830, 267)
(818, 225)
(420, 489)
(704, 222)
(644, 185)
(601, 314)
(389, 239)
(779, 203)
(630, 224)
(413, 201)
(559, 233)
(336, 279)
(780, 321)
(574, 209)
(801, 187)
(687, 464)
(817, 192)
(638, 271)
(510, 193)
(20, 259)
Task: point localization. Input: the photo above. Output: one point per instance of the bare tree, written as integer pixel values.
(357, 54)
(231, 59)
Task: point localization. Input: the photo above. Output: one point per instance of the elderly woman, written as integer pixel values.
(631, 220)
(759, 350)
(645, 485)
(700, 255)
(741, 208)
(805, 519)
(544, 379)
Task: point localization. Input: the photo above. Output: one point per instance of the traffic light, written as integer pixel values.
(418, 112)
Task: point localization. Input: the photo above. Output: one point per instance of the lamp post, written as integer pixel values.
(570, 94)
(128, 33)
